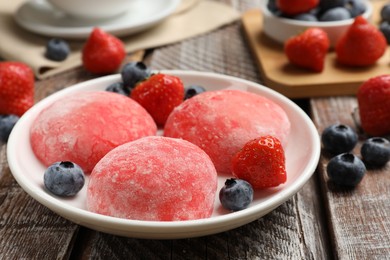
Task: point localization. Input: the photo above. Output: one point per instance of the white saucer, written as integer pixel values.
(40, 17)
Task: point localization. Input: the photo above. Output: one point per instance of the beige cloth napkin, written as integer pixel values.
(192, 18)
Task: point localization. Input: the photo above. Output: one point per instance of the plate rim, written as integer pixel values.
(83, 32)
(171, 229)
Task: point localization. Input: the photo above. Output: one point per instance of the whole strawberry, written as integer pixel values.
(294, 7)
(261, 162)
(159, 95)
(103, 53)
(16, 88)
(308, 49)
(374, 105)
(361, 45)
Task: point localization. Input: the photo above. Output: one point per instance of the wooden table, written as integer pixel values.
(320, 222)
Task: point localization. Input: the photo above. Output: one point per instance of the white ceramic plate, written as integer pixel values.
(40, 17)
(302, 155)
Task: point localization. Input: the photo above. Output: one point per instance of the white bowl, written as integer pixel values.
(280, 29)
(92, 9)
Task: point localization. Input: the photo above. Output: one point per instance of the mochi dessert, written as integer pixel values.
(82, 128)
(221, 122)
(154, 178)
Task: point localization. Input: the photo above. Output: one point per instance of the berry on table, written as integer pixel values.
(375, 151)
(159, 95)
(16, 88)
(385, 12)
(103, 53)
(193, 90)
(339, 138)
(346, 169)
(373, 99)
(133, 73)
(384, 27)
(236, 194)
(7, 123)
(261, 162)
(64, 179)
(57, 49)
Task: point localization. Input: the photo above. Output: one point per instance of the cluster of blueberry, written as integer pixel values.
(345, 168)
(327, 10)
(384, 25)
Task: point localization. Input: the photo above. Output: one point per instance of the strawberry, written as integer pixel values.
(361, 45)
(16, 88)
(261, 162)
(159, 95)
(308, 49)
(103, 53)
(374, 105)
(294, 7)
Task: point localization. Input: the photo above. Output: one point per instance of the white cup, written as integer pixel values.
(92, 9)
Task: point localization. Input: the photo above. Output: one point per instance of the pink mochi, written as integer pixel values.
(83, 127)
(221, 122)
(154, 178)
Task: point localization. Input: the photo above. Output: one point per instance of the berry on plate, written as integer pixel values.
(376, 151)
(64, 179)
(118, 87)
(339, 138)
(133, 73)
(103, 53)
(308, 49)
(193, 90)
(293, 7)
(57, 49)
(236, 194)
(261, 162)
(16, 88)
(346, 169)
(374, 105)
(7, 123)
(361, 45)
(159, 95)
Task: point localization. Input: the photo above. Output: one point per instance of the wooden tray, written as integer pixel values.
(294, 82)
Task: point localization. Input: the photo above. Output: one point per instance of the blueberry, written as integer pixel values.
(339, 138)
(329, 4)
(272, 6)
(335, 14)
(134, 72)
(64, 178)
(306, 17)
(7, 123)
(236, 195)
(376, 151)
(193, 90)
(385, 12)
(346, 169)
(118, 87)
(384, 27)
(57, 49)
(355, 7)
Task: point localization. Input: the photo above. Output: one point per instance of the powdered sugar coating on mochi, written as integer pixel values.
(82, 128)
(154, 178)
(221, 122)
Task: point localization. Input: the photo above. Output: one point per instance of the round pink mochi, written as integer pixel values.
(221, 122)
(154, 178)
(83, 127)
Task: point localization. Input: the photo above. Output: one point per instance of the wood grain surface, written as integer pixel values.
(320, 222)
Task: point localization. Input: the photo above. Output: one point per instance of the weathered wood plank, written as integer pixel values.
(359, 218)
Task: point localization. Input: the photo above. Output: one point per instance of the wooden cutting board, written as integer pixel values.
(294, 82)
